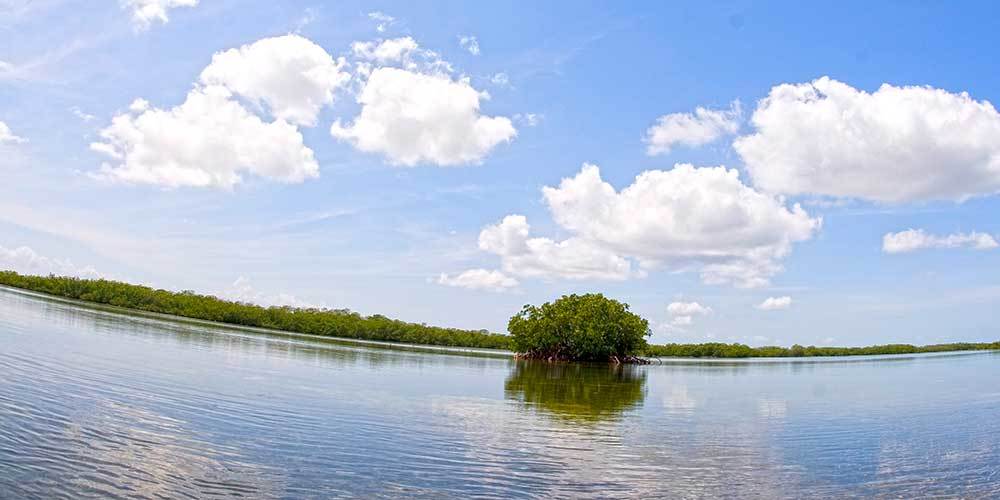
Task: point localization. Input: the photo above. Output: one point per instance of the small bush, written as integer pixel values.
(579, 327)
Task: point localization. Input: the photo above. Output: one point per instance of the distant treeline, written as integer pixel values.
(351, 325)
(719, 350)
(328, 322)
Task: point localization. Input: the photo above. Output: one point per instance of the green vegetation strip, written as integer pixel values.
(346, 324)
(333, 323)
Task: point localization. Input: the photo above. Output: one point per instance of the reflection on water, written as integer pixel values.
(577, 391)
(100, 405)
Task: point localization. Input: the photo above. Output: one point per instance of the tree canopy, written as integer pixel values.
(584, 327)
(587, 327)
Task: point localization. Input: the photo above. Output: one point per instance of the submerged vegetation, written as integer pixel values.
(574, 327)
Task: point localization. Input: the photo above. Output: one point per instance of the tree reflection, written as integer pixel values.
(578, 391)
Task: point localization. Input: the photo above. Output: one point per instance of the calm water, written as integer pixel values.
(94, 404)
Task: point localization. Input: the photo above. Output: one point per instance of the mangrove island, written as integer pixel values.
(587, 327)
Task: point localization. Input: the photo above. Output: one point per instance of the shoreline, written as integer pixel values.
(231, 329)
(444, 340)
(173, 318)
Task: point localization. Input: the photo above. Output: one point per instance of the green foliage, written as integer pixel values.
(337, 323)
(585, 392)
(587, 327)
(717, 350)
(706, 350)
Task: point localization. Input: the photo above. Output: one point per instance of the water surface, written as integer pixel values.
(96, 404)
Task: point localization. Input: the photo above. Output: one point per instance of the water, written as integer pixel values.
(94, 404)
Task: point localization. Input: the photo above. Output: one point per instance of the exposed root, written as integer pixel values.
(557, 358)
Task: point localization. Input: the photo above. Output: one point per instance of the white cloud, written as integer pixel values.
(7, 136)
(386, 51)
(479, 279)
(208, 141)
(917, 239)
(242, 290)
(145, 12)
(682, 321)
(775, 303)
(529, 119)
(293, 76)
(411, 118)
(413, 111)
(683, 313)
(687, 309)
(500, 79)
(574, 258)
(691, 129)
(24, 260)
(383, 20)
(469, 43)
(138, 105)
(687, 217)
(212, 139)
(895, 145)
(79, 113)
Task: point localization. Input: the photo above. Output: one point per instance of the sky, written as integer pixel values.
(767, 174)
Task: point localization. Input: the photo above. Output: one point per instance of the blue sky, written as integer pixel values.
(364, 176)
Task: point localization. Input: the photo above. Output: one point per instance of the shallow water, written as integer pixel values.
(95, 404)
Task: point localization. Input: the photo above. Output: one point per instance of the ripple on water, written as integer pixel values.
(98, 405)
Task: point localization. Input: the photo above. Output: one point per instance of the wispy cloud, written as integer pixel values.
(912, 240)
(383, 21)
(469, 43)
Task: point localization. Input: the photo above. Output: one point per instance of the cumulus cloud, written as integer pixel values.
(382, 20)
(688, 216)
(683, 313)
(24, 260)
(775, 303)
(412, 118)
(386, 51)
(687, 309)
(691, 129)
(138, 105)
(917, 239)
(469, 43)
(291, 75)
(8, 137)
(574, 258)
(895, 145)
(208, 141)
(145, 12)
(212, 139)
(479, 279)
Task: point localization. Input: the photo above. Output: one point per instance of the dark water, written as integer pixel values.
(99, 405)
